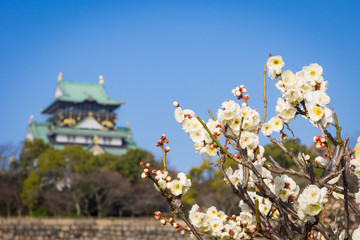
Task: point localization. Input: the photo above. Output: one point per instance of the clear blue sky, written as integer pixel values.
(154, 52)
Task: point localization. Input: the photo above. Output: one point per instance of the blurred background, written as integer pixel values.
(150, 54)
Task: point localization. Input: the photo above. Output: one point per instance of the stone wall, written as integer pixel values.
(86, 229)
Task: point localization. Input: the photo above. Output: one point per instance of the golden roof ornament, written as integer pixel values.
(60, 77)
(96, 140)
(101, 80)
(31, 119)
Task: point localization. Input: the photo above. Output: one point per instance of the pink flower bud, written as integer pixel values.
(168, 179)
(237, 155)
(316, 138)
(144, 175)
(237, 93)
(171, 220)
(226, 147)
(167, 149)
(323, 139)
(246, 97)
(163, 222)
(157, 178)
(176, 104)
(183, 231)
(147, 165)
(163, 136)
(141, 163)
(267, 229)
(318, 145)
(154, 171)
(146, 170)
(166, 140)
(243, 90)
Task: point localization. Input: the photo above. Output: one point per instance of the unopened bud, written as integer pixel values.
(146, 170)
(154, 171)
(267, 229)
(237, 93)
(166, 140)
(243, 90)
(226, 147)
(323, 139)
(307, 157)
(318, 145)
(163, 222)
(144, 175)
(233, 216)
(292, 195)
(284, 136)
(246, 97)
(237, 155)
(176, 104)
(167, 149)
(157, 178)
(168, 179)
(163, 136)
(141, 163)
(147, 165)
(316, 138)
(183, 231)
(171, 220)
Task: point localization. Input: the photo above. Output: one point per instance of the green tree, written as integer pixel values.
(30, 192)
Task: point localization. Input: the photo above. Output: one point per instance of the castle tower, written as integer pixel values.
(83, 114)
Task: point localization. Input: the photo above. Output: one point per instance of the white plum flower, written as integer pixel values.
(313, 72)
(315, 113)
(229, 110)
(175, 187)
(275, 63)
(321, 161)
(356, 234)
(179, 115)
(288, 79)
(248, 139)
(276, 123)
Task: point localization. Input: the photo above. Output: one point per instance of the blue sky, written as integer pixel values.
(154, 52)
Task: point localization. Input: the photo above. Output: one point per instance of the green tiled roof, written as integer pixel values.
(40, 130)
(81, 91)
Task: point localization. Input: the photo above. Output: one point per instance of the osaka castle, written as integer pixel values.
(82, 113)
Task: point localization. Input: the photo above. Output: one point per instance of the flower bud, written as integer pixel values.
(267, 229)
(168, 179)
(318, 145)
(243, 90)
(226, 147)
(167, 149)
(246, 97)
(154, 171)
(163, 136)
(144, 175)
(146, 170)
(237, 155)
(147, 165)
(163, 222)
(316, 138)
(237, 93)
(284, 136)
(171, 220)
(183, 231)
(176, 104)
(141, 163)
(323, 139)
